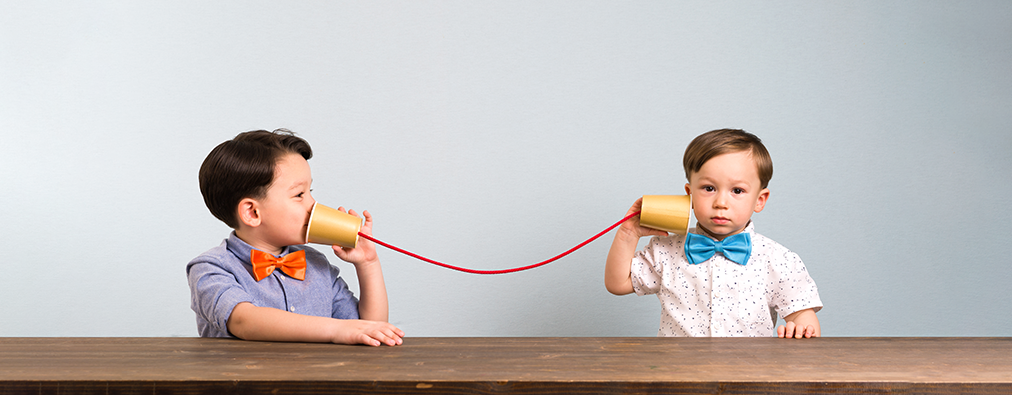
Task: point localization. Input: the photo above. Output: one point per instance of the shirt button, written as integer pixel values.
(292, 309)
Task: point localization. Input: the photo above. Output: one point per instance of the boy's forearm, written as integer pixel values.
(372, 303)
(616, 276)
(250, 322)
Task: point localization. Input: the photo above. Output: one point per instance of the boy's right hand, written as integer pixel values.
(365, 252)
(370, 333)
(632, 228)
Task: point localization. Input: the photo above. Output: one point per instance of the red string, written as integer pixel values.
(502, 271)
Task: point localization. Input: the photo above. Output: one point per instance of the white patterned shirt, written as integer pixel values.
(719, 297)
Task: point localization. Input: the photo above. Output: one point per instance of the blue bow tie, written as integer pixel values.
(699, 248)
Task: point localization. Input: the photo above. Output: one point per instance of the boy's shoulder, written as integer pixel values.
(218, 256)
(772, 252)
(761, 241)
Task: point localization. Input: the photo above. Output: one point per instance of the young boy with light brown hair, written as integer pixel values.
(722, 278)
(262, 283)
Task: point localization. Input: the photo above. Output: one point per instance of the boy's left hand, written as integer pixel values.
(792, 330)
(800, 325)
(365, 251)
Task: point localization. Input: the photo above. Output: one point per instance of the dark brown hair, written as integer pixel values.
(724, 141)
(243, 167)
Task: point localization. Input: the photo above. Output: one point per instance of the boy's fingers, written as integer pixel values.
(801, 332)
(790, 330)
(368, 340)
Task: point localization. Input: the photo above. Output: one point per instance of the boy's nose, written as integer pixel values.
(720, 202)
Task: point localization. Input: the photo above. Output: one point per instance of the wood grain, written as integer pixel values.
(508, 365)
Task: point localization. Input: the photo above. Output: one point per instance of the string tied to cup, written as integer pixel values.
(329, 226)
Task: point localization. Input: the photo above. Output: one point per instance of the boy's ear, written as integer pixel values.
(249, 212)
(689, 192)
(760, 203)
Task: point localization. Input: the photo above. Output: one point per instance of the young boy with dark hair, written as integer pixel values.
(261, 283)
(722, 278)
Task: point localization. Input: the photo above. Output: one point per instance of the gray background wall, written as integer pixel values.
(498, 134)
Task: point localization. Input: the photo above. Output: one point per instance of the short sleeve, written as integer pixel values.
(214, 293)
(793, 288)
(645, 270)
(345, 302)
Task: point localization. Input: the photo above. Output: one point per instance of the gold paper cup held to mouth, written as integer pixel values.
(669, 213)
(332, 227)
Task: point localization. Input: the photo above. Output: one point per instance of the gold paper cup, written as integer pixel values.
(332, 227)
(669, 213)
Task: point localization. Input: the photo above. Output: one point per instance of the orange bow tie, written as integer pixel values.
(293, 264)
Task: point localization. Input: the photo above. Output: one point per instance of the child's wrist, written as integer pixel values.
(367, 264)
(629, 234)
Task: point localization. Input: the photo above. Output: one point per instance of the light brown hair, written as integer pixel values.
(724, 141)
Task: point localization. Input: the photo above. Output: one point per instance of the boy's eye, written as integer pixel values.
(738, 191)
(708, 188)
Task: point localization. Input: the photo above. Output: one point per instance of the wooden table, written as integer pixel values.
(507, 365)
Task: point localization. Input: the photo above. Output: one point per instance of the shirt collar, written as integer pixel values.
(242, 250)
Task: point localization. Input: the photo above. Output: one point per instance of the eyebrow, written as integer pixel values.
(733, 182)
(298, 184)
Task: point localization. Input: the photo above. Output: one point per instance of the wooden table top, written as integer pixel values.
(500, 365)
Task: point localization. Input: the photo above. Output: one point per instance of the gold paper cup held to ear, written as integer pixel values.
(332, 227)
(669, 213)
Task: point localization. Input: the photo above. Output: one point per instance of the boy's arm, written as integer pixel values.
(617, 278)
(250, 322)
(800, 324)
(616, 269)
(372, 301)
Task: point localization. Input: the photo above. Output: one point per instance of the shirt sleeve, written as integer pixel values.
(345, 302)
(645, 270)
(793, 289)
(214, 293)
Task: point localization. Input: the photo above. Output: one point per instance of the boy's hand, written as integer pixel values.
(370, 333)
(365, 251)
(632, 227)
(800, 325)
(792, 330)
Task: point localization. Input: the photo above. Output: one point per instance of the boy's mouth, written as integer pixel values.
(719, 220)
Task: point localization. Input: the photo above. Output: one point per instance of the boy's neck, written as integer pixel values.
(256, 242)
